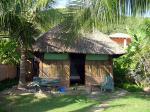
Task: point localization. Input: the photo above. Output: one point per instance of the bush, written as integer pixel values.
(131, 87)
(134, 67)
(8, 52)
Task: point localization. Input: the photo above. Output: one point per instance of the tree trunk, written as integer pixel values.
(22, 77)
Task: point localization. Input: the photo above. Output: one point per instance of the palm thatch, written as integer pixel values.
(90, 43)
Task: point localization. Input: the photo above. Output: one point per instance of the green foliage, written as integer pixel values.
(42, 103)
(93, 14)
(8, 52)
(131, 87)
(50, 18)
(122, 26)
(120, 72)
(105, 14)
(25, 20)
(134, 66)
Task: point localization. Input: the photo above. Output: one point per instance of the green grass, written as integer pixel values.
(32, 103)
(133, 102)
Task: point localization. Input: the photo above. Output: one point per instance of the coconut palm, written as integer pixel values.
(24, 20)
(103, 13)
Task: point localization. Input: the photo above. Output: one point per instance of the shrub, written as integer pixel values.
(131, 87)
(134, 67)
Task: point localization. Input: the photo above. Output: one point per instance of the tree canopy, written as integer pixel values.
(135, 64)
(89, 14)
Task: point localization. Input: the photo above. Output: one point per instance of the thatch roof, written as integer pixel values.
(94, 43)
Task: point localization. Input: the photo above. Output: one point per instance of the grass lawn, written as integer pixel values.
(132, 102)
(38, 103)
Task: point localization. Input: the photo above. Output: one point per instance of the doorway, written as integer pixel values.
(77, 69)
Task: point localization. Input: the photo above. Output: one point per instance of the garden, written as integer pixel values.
(23, 23)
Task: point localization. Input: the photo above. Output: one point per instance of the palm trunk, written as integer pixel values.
(22, 77)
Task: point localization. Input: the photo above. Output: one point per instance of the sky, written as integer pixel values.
(147, 14)
(61, 3)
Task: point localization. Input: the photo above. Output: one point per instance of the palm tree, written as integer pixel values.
(89, 14)
(24, 20)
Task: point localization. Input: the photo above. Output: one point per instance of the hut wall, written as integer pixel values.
(95, 71)
(55, 70)
(120, 41)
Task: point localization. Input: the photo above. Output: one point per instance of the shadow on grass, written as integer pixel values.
(64, 103)
(113, 106)
(30, 103)
(8, 83)
(98, 108)
(85, 109)
(140, 95)
(132, 102)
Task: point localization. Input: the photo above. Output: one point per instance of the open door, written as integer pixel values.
(77, 69)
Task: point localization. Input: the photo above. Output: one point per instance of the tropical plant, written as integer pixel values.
(101, 14)
(23, 20)
(135, 64)
(8, 52)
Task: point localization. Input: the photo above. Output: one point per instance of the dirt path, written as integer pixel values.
(105, 103)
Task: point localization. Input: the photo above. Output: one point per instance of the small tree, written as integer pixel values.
(136, 63)
(22, 19)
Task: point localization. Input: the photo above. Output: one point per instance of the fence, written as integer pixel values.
(7, 72)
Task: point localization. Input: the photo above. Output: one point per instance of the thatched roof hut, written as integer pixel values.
(84, 59)
(91, 43)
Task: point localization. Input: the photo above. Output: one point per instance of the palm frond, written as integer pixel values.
(25, 19)
(97, 13)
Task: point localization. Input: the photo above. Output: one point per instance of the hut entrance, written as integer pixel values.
(77, 69)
